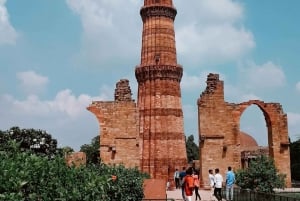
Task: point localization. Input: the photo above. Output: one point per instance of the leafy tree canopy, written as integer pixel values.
(192, 149)
(27, 176)
(92, 151)
(295, 160)
(38, 141)
(261, 175)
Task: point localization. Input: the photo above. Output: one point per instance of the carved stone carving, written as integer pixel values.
(158, 11)
(153, 72)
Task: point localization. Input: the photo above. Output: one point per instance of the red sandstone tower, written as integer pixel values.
(162, 140)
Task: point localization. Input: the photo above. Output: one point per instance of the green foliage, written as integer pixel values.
(192, 150)
(38, 141)
(92, 151)
(295, 160)
(261, 176)
(26, 176)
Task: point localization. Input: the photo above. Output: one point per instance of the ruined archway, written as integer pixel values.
(276, 122)
(253, 123)
(219, 131)
(254, 139)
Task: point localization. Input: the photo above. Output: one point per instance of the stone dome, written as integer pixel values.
(247, 141)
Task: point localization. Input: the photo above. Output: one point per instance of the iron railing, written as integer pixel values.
(248, 195)
(167, 199)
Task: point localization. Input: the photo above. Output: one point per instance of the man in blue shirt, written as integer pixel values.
(230, 179)
(182, 174)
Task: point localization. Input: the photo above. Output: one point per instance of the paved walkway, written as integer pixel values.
(205, 194)
(176, 194)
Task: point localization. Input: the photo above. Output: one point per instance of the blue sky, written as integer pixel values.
(57, 56)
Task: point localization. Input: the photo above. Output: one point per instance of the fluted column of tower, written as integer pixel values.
(159, 96)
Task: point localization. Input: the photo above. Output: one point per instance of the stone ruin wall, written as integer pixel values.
(219, 131)
(118, 120)
(75, 159)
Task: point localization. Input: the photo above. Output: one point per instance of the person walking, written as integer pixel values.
(189, 184)
(197, 184)
(177, 178)
(182, 174)
(211, 179)
(218, 184)
(230, 180)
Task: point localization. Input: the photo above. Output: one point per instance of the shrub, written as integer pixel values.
(261, 176)
(26, 176)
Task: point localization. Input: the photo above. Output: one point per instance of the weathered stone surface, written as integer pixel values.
(159, 95)
(148, 135)
(75, 159)
(123, 91)
(119, 140)
(219, 131)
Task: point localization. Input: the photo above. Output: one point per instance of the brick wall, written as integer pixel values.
(118, 121)
(219, 131)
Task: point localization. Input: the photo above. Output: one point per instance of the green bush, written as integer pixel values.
(261, 176)
(26, 176)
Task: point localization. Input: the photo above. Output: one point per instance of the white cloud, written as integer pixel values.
(293, 118)
(293, 123)
(236, 94)
(221, 11)
(267, 75)
(110, 29)
(65, 103)
(192, 82)
(206, 31)
(298, 86)
(66, 116)
(8, 34)
(247, 97)
(212, 32)
(31, 82)
(197, 82)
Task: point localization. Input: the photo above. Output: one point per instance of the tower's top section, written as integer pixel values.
(158, 2)
(158, 40)
(158, 8)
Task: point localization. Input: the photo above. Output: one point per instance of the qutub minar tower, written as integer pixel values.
(148, 134)
(159, 95)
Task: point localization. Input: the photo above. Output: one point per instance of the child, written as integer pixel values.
(168, 185)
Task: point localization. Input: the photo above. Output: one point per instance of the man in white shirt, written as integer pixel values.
(177, 178)
(218, 184)
(211, 178)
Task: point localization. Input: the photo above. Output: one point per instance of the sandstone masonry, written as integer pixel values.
(219, 131)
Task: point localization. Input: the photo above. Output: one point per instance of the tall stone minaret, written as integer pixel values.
(159, 97)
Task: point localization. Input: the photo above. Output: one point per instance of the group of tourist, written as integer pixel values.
(188, 181)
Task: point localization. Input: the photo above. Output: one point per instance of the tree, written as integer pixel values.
(192, 150)
(27, 176)
(63, 151)
(295, 160)
(38, 141)
(92, 151)
(261, 175)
